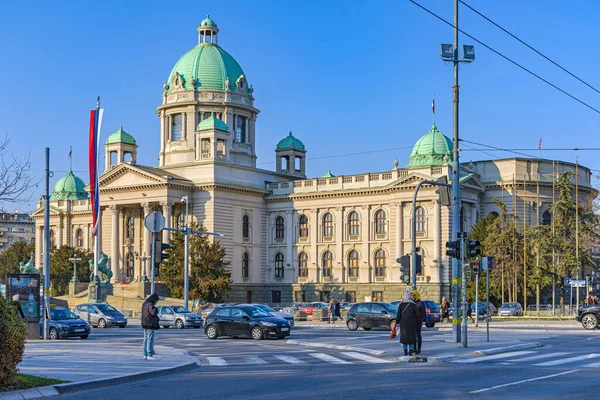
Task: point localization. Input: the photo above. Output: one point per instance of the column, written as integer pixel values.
(399, 228)
(338, 265)
(86, 240)
(166, 209)
(289, 239)
(437, 242)
(99, 232)
(59, 234)
(267, 265)
(147, 240)
(313, 272)
(365, 268)
(115, 242)
(473, 216)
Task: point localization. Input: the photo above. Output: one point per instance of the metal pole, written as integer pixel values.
(487, 302)
(46, 271)
(186, 269)
(477, 298)
(153, 262)
(455, 188)
(464, 292)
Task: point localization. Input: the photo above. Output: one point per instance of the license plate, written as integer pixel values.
(285, 329)
(79, 330)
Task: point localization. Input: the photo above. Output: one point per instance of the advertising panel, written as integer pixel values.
(25, 289)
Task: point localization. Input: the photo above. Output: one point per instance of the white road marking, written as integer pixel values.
(220, 361)
(541, 356)
(364, 357)
(493, 357)
(255, 360)
(524, 381)
(330, 359)
(290, 359)
(568, 360)
(593, 365)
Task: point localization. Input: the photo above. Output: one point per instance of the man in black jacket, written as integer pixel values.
(150, 324)
(421, 315)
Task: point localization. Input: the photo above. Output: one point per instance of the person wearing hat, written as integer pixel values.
(407, 321)
(421, 315)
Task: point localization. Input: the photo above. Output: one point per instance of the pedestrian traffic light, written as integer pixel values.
(404, 262)
(453, 249)
(476, 267)
(472, 248)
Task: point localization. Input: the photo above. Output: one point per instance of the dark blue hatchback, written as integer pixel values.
(64, 324)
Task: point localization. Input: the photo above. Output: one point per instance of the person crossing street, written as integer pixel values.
(421, 315)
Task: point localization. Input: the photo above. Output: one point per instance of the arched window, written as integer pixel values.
(245, 265)
(380, 262)
(303, 226)
(79, 238)
(130, 228)
(353, 263)
(245, 227)
(353, 224)
(279, 228)
(421, 221)
(279, 265)
(303, 265)
(52, 239)
(380, 222)
(130, 270)
(328, 225)
(181, 220)
(547, 218)
(327, 264)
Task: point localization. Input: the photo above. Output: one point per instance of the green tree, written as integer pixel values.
(210, 278)
(61, 269)
(18, 252)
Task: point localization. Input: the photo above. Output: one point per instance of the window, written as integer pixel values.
(130, 232)
(176, 126)
(377, 308)
(166, 310)
(327, 264)
(353, 224)
(363, 308)
(245, 227)
(421, 220)
(380, 263)
(328, 225)
(21, 229)
(351, 297)
(245, 265)
(380, 222)
(181, 220)
(279, 265)
(279, 228)
(303, 226)
(79, 238)
(546, 218)
(52, 239)
(220, 147)
(208, 114)
(300, 296)
(324, 296)
(353, 264)
(276, 296)
(303, 265)
(240, 129)
(130, 270)
(238, 313)
(223, 312)
(377, 296)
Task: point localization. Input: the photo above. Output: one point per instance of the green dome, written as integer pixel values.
(208, 67)
(208, 22)
(430, 150)
(120, 136)
(290, 142)
(69, 187)
(212, 123)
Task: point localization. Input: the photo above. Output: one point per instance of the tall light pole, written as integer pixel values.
(186, 262)
(74, 260)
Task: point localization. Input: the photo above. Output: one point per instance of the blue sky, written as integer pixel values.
(345, 76)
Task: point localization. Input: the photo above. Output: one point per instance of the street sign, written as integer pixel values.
(574, 282)
(154, 222)
(487, 263)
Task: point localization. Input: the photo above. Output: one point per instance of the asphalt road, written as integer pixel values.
(568, 364)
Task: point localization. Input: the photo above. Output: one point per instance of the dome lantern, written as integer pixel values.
(207, 31)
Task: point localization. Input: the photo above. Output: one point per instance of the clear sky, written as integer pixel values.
(345, 76)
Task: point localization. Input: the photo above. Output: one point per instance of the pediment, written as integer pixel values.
(127, 175)
(412, 179)
(40, 212)
(472, 181)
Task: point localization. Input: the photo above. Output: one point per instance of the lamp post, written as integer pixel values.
(186, 261)
(74, 260)
(143, 259)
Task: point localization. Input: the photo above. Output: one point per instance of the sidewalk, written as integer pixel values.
(88, 364)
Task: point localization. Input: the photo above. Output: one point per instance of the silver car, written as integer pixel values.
(100, 315)
(178, 316)
(510, 309)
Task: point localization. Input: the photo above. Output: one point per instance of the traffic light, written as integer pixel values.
(159, 249)
(453, 249)
(404, 262)
(472, 248)
(476, 267)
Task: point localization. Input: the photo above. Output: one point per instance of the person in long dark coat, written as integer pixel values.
(407, 319)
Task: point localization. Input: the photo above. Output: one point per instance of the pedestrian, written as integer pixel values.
(331, 310)
(470, 312)
(338, 311)
(421, 315)
(407, 319)
(445, 309)
(150, 324)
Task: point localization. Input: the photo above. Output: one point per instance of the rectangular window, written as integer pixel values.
(220, 147)
(240, 129)
(377, 296)
(177, 127)
(351, 297)
(276, 296)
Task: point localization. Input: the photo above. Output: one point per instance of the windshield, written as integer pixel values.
(509, 305)
(62, 314)
(265, 307)
(105, 307)
(256, 312)
(180, 309)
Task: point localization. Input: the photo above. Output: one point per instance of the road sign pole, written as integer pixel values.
(463, 326)
(487, 302)
(153, 262)
(477, 296)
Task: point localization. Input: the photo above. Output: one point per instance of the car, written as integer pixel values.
(100, 315)
(64, 324)
(205, 312)
(433, 312)
(178, 316)
(589, 316)
(481, 309)
(371, 315)
(283, 315)
(511, 310)
(245, 320)
(308, 307)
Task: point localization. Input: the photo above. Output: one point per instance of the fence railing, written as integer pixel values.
(547, 309)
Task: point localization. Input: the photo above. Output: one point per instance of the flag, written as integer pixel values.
(433, 106)
(94, 137)
(70, 152)
(540, 145)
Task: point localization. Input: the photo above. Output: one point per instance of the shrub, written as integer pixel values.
(12, 342)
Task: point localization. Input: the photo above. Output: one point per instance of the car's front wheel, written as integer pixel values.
(53, 334)
(257, 333)
(352, 325)
(589, 321)
(179, 324)
(212, 332)
(392, 323)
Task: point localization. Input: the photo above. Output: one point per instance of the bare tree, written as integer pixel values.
(15, 175)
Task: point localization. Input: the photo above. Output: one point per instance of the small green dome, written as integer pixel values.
(208, 22)
(328, 174)
(120, 136)
(69, 187)
(290, 142)
(212, 123)
(431, 149)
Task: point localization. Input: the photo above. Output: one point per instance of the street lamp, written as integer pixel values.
(186, 262)
(75, 260)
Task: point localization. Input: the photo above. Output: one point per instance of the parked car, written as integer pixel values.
(589, 316)
(245, 320)
(510, 309)
(481, 309)
(100, 315)
(64, 324)
(278, 314)
(371, 315)
(178, 316)
(433, 312)
(308, 307)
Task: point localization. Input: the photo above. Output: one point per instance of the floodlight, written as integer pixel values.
(447, 52)
(468, 52)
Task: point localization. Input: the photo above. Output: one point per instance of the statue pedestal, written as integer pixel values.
(77, 287)
(32, 330)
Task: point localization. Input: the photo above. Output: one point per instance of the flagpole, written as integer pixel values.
(433, 109)
(96, 242)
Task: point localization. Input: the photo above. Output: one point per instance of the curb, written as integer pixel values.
(423, 359)
(507, 349)
(333, 346)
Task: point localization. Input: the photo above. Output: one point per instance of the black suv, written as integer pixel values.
(371, 315)
(589, 316)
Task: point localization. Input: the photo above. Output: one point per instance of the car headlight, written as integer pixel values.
(108, 317)
(267, 323)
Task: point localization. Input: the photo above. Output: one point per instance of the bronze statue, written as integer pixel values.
(102, 269)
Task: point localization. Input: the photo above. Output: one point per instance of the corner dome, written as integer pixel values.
(120, 136)
(212, 123)
(69, 187)
(431, 150)
(290, 142)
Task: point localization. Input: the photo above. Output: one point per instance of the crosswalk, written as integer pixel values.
(538, 359)
(300, 359)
